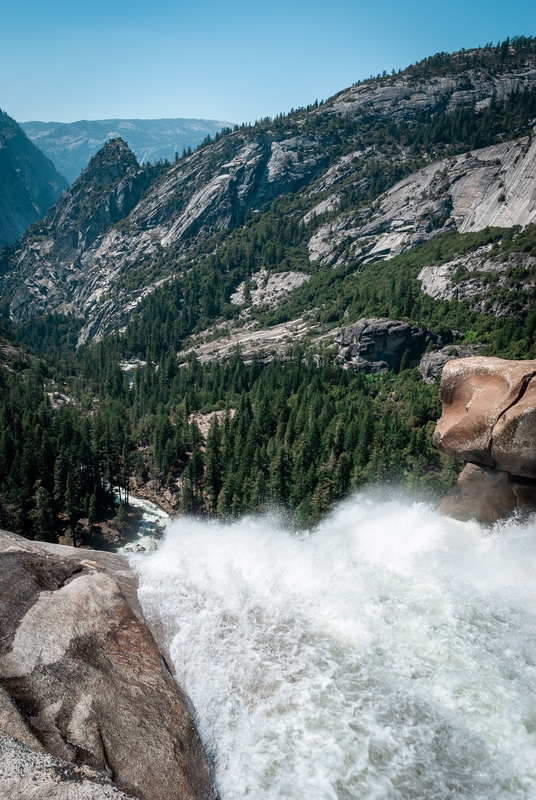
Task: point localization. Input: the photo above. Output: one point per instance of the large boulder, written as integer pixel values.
(488, 494)
(489, 412)
(377, 345)
(489, 421)
(86, 678)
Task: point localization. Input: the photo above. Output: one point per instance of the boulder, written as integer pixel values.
(377, 345)
(489, 421)
(432, 363)
(482, 398)
(86, 680)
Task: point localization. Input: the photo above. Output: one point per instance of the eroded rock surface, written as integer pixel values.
(488, 494)
(493, 186)
(489, 421)
(87, 679)
(377, 345)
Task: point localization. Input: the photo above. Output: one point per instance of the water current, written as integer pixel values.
(389, 654)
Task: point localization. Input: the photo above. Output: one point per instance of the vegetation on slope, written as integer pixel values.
(300, 431)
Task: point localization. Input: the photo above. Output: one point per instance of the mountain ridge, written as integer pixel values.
(70, 145)
(337, 161)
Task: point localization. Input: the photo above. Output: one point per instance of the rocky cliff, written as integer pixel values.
(489, 187)
(348, 147)
(29, 182)
(53, 260)
(86, 698)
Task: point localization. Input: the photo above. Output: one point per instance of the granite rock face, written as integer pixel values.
(29, 775)
(493, 186)
(50, 266)
(87, 680)
(377, 345)
(432, 363)
(29, 182)
(489, 421)
(100, 269)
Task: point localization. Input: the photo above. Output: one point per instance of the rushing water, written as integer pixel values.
(391, 654)
(151, 527)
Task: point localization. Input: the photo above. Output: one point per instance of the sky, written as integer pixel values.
(235, 61)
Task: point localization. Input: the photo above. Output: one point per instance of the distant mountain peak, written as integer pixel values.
(70, 145)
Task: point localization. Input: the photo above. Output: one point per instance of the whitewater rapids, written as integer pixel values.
(390, 654)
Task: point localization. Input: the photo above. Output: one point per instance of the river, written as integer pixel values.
(391, 654)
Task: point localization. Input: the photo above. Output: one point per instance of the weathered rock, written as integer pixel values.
(488, 494)
(377, 345)
(87, 679)
(489, 420)
(513, 443)
(489, 187)
(29, 775)
(269, 289)
(480, 278)
(432, 363)
(476, 393)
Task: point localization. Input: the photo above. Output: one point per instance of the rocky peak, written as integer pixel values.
(111, 166)
(53, 258)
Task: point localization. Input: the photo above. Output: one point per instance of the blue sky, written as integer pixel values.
(67, 60)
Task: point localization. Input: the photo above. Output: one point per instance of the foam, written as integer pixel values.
(391, 654)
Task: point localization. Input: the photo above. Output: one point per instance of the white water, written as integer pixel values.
(151, 528)
(392, 654)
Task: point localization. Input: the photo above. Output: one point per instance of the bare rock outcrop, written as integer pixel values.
(489, 187)
(86, 681)
(489, 421)
(432, 363)
(377, 345)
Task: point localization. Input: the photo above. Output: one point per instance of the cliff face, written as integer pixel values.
(29, 182)
(76, 260)
(493, 186)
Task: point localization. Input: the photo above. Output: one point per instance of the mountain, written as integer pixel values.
(264, 320)
(29, 182)
(70, 145)
(383, 166)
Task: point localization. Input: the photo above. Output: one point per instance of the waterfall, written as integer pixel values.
(389, 654)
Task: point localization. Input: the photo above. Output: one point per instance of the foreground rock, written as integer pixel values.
(86, 679)
(29, 775)
(489, 421)
(377, 345)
